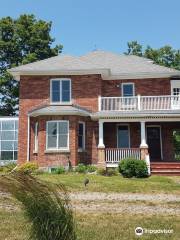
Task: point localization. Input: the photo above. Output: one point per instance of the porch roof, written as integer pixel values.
(161, 115)
(59, 110)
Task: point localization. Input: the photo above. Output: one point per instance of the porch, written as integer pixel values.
(139, 140)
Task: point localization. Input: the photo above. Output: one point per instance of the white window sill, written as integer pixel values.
(81, 150)
(35, 152)
(57, 151)
(61, 103)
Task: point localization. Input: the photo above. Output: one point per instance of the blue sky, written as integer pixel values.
(80, 25)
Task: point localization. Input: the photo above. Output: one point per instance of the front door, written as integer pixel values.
(154, 142)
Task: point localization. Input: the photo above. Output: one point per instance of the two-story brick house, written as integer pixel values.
(98, 108)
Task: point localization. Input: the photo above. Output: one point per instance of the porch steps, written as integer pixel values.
(167, 169)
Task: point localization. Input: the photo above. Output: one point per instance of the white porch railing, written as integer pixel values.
(115, 155)
(139, 103)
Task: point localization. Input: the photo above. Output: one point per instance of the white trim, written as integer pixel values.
(28, 140)
(101, 134)
(129, 133)
(84, 136)
(175, 83)
(105, 73)
(57, 139)
(160, 132)
(127, 83)
(36, 126)
(61, 102)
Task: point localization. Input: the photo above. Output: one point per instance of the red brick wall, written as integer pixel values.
(55, 159)
(34, 92)
(142, 86)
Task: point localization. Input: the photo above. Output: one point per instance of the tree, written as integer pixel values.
(134, 48)
(22, 40)
(165, 56)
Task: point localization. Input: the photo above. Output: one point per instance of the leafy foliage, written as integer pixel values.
(133, 168)
(46, 206)
(7, 168)
(91, 168)
(58, 170)
(81, 168)
(22, 40)
(165, 56)
(28, 167)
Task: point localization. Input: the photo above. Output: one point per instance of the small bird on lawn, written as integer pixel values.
(86, 181)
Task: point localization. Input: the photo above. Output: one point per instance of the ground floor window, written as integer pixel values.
(57, 135)
(176, 144)
(81, 136)
(123, 138)
(8, 140)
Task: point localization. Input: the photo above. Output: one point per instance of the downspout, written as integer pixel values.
(28, 134)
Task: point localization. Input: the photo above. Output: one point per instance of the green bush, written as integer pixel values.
(101, 171)
(58, 170)
(133, 168)
(28, 167)
(111, 172)
(91, 168)
(81, 168)
(7, 168)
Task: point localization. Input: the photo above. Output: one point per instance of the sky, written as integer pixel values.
(82, 26)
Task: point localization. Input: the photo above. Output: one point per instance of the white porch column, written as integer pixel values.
(143, 136)
(101, 137)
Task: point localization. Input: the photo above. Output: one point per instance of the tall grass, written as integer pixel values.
(46, 206)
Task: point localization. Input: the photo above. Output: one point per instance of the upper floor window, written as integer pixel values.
(175, 87)
(60, 90)
(57, 135)
(127, 89)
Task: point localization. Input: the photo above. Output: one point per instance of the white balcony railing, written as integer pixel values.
(115, 155)
(139, 103)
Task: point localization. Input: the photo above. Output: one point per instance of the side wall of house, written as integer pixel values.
(35, 92)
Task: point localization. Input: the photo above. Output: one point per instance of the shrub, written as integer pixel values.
(81, 168)
(58, 170)
(101, 171)
(7, 168)
(28, 167)
(133, 168)
(91, 168)
(112, 172)
(46, 206)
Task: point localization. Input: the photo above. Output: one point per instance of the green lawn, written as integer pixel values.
(98, 225)
(154, 184)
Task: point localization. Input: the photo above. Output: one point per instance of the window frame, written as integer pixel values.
(57, 137)
(51, 93)
(36, 125)
(83, 136)
(128, 83)
(14, 140)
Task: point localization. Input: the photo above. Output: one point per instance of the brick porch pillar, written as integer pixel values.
(101, 147)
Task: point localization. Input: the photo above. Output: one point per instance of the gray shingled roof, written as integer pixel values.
(59, 110)
(116, 64)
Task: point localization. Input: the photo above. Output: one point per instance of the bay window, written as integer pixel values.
(57, 135)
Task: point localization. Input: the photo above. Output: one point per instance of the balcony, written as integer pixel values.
(140, 103)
